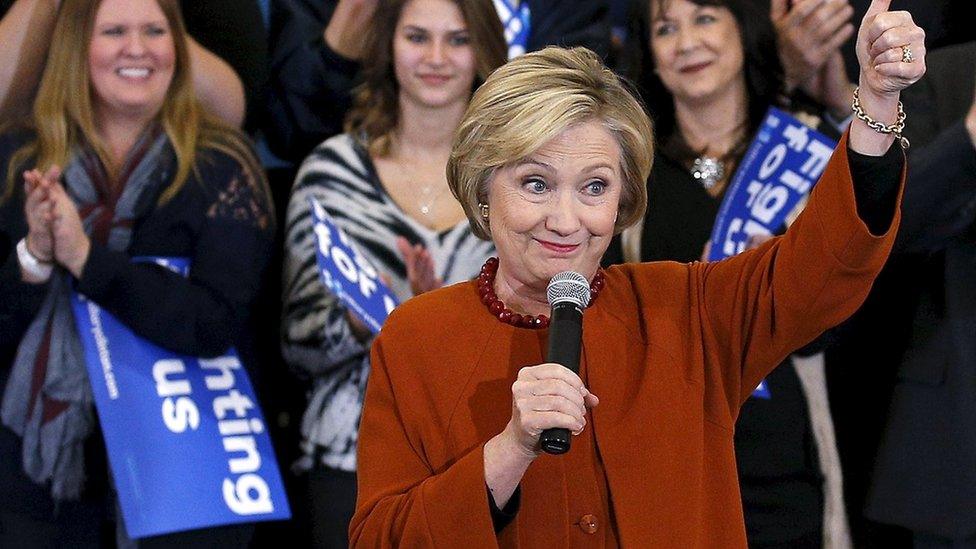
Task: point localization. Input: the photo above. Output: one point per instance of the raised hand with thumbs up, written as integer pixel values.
(891, 51)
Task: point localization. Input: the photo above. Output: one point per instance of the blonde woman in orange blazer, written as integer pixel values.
(549, 163)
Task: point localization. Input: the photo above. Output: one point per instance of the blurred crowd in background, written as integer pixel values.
(245, 108)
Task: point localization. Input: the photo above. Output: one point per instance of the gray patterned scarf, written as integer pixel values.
(48, 398)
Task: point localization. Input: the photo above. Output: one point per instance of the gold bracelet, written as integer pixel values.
(895, 129)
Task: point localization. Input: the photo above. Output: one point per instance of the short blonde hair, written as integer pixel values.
(531, 100)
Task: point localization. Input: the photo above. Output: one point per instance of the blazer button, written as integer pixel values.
(589, 524)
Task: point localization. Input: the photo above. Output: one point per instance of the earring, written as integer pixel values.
(484, 209)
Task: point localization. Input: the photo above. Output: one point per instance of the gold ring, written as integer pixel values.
(906, 54)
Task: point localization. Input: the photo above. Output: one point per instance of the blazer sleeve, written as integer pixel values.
(757, 307)
(403, 501)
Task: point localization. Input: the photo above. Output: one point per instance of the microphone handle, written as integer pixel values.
(565, 338)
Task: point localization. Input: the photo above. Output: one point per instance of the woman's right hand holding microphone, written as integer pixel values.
(543, 397)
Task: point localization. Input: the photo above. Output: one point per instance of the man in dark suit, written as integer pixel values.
(925, 471)
(936, 228)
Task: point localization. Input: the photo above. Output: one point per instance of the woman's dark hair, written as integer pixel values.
(763, 71)
(375, 110)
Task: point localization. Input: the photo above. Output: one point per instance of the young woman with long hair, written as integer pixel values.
(383, 182)
(118, 160)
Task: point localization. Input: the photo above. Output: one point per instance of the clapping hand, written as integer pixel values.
(420, 267)
(54, 228)
(808, 35)
(71, 244)
(39, 212)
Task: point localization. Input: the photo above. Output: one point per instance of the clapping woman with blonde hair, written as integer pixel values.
(118, 160)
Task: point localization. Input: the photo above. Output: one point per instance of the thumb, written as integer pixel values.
(777, 10)
(876, 7)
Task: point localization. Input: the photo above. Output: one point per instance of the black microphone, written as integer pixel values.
(568, 294)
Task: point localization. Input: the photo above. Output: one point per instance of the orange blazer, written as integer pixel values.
(672, 350)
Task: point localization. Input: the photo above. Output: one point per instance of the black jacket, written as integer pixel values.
(924, 477)
(211, 222)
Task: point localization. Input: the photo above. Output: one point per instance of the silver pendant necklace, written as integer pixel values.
(708, 171)
(427, 198)
(426, 195)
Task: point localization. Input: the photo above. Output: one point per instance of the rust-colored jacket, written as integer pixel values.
(671, 349)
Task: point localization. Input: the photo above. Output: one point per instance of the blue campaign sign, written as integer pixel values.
(776, 175)
(186, 440)
(347, 274)
(762, 390)
(782, 165)
(517, 22)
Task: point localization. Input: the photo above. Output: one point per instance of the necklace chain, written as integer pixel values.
(426, 197)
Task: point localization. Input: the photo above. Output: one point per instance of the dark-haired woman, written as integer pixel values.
(384, 184)
(708, 71)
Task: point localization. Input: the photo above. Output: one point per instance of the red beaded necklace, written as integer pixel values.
(486, 282)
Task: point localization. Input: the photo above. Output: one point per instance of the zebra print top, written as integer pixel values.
(316, 338)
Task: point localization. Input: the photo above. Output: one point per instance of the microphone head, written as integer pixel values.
(568, 287)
